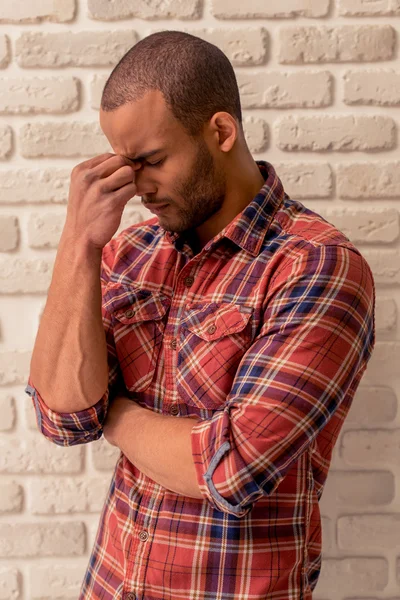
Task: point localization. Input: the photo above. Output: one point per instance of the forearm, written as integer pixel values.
(160, 447)
(69, 359)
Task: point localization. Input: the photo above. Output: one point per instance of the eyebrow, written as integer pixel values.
(144, 155)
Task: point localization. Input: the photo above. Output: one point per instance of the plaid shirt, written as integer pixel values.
(264, 335)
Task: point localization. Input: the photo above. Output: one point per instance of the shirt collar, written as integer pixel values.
(249, 227)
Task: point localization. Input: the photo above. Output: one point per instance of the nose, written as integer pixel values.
(142, 184)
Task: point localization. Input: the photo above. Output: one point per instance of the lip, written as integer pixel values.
(156, 208)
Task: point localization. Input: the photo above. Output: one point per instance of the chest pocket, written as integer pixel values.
(214, 338)
(139, 318)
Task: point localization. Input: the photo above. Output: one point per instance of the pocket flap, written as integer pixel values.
(133, 305)
(214, 321)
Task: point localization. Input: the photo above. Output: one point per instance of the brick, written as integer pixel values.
(244, 47)
(104, 455)
(385, 266)
(70, 49)
(10, 583)
(322, 44)
(309, 89)
(306, 180)
(36, 11)
(360, 489)
(259, 9)
(29, 540)
(368, 180)
(366, 8)
(11, 498)
(373, 447)
(327, 535)
(23, 276)
(37, 95)
(369, 531)
(336, 133)
(371, 405)
(366, 226)
(132, 215)
(14, 365)
(38, 455)
(62, 139)
(44, 230)
(67, 495)
(384, 362)
(386, 315)
(5, 54)
(372, 87)
(105, 10)
(9, 233)
(6, 141)
(256, 133)
(97, 84)
(352, 575)
(36, 186)
(56, 581)
(8, 412)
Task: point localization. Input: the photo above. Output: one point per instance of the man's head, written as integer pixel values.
(176, 93)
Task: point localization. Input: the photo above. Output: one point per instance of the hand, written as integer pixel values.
(99, 190)
(117, 412)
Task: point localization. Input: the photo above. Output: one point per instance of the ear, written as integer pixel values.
(224, 129)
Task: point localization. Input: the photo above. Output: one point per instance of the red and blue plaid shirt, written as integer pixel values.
(264, 335)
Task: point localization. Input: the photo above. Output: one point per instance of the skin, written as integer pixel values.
(206, 181)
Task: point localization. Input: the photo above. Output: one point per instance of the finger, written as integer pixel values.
(117, 179)
(95, 160)
(112, 165)
(124, 193)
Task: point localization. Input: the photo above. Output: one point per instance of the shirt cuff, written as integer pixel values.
(69, 429)
(210, 444)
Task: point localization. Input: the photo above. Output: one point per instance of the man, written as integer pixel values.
(235, 324)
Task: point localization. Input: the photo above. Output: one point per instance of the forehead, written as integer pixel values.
(140, 126)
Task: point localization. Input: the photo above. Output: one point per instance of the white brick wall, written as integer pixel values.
(320, 89)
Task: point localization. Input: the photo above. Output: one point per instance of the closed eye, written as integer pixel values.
(156, 164)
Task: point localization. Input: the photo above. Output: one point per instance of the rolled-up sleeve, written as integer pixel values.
(317, 337)
(70, 429)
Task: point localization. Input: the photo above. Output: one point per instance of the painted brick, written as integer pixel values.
(372, 447)
(8, 412)
(37, 95)
(24, 276)
(372, 87)
(9, 233)
(37, 455)
(349, 43)
(10, 583)
(366, 226)
(103, 455)
(337, 133)
(375, 531)
(11, 498)
(36, 11)
(29, 540)
(70, 49)
(368, 180)
(6, 141)
(45, 229)
(5, 54)
(366, 8)
(371, 405)
(347, 575)
(56, 581)
(385, 265)
(305, 180)
(144, 9)
(36, 186)
(259, 9)
(57, 496)
(14, 365)
(256, 132)
(364, 489)
(386, 315)
(310, 89)
(62, 139)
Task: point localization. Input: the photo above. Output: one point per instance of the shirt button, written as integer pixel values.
(174, 410)
(129, 313)
(188, 281)
(173, 344)
(130, 596)
(212, 329)
(143, 535)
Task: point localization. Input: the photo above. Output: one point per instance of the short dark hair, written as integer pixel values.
(195, 77)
